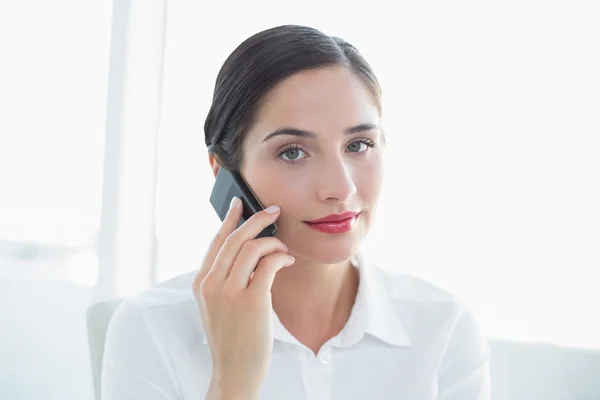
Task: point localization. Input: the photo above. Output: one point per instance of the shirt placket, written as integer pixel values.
(317, 373)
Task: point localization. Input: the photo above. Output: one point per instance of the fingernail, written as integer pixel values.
(234, 201)
(272, 209)
(292, 261)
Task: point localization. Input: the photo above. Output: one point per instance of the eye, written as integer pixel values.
(292, 153)
(357, 147)
(361, 145)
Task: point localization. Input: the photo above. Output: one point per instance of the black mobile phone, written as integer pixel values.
(229, 184)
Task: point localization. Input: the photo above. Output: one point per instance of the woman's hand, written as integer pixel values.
(235, 300)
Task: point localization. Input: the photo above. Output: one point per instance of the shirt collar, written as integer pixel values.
(372, 313)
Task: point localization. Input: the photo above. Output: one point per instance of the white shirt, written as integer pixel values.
(405, 339)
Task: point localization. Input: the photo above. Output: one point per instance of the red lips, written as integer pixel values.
(334, 223)
(334, 217)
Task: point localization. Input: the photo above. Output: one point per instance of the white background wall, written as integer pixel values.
(491, 113)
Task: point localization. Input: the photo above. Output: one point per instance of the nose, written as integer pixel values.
(336, 183)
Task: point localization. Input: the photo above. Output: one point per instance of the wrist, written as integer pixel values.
(231, 388)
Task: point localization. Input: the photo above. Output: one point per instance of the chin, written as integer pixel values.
(326, 250)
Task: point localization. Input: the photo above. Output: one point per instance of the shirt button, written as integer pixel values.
(325, 358)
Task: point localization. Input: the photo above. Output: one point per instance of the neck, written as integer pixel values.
(314, 301)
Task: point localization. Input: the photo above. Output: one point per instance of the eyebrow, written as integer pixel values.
(312, 135)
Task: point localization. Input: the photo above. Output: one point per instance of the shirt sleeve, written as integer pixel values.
(135, 363)
(464, 370)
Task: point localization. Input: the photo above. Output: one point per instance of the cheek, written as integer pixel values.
(276, 186)
(368, 179)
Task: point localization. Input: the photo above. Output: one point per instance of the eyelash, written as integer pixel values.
(370, 143)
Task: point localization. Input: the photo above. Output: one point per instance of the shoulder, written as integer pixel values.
(171, 292)
(147, 336)
(159, 310)
(410, 289)
(426, 311)
(443, 330)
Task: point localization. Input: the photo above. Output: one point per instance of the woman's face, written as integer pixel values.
(315, 150)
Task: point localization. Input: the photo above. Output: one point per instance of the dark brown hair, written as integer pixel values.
(256, 66)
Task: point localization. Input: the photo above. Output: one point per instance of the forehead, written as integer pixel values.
(319, 100)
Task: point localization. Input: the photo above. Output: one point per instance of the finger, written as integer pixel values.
(233, 243)
(229, 224)
(266, 270)
(248, 258)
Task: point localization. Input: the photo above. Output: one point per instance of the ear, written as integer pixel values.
(214, 163)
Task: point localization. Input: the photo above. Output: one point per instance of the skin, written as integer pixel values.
(332, 171)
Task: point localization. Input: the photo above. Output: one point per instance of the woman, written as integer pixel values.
(300, 315)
